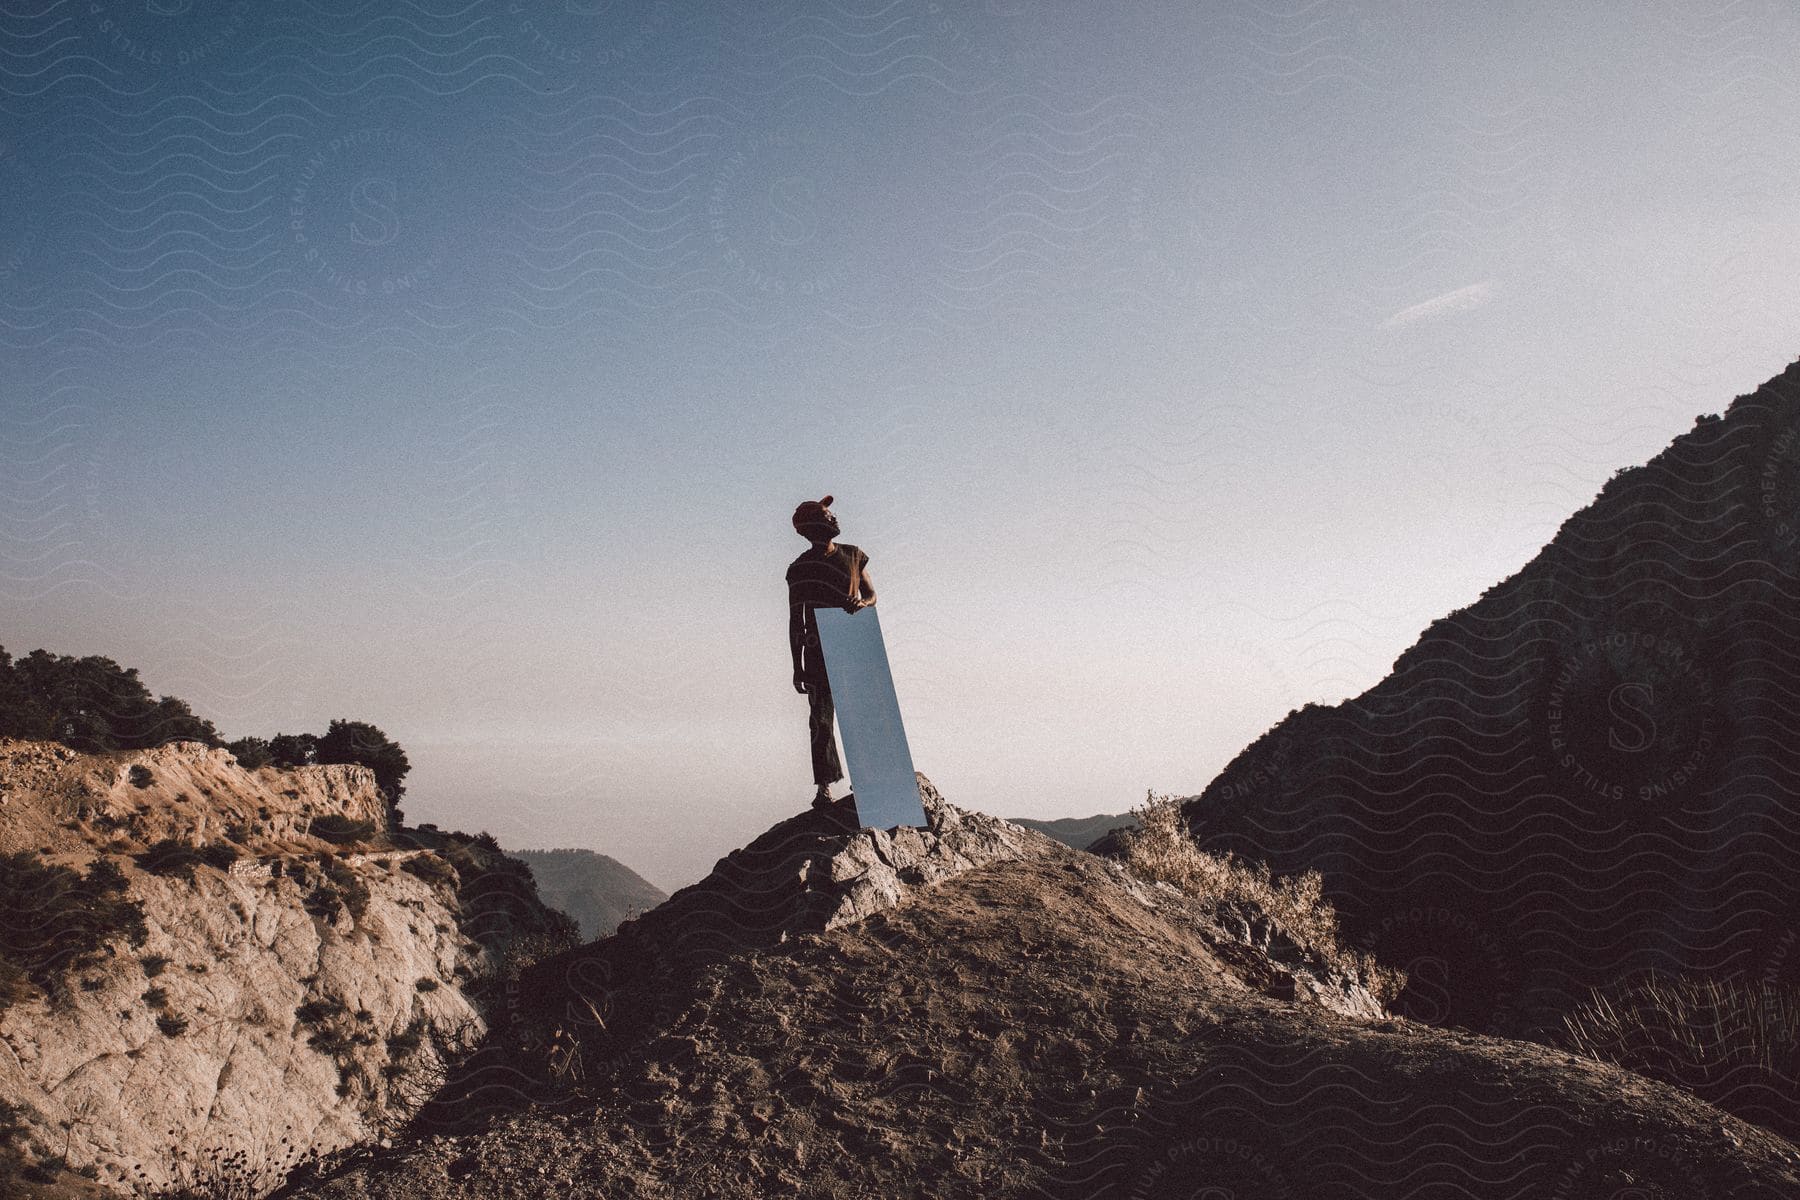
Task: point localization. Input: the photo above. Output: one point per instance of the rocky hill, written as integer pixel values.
(976, 1010)
(597, 890)
(1592, 770)
(296, 976)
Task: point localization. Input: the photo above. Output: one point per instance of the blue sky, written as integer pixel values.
(456, 366)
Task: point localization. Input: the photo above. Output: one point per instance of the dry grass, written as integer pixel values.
(1733, 1042)
(1164, 849)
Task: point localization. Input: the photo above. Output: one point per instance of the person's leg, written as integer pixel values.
(820, 725)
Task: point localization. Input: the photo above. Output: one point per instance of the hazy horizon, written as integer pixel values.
(457, 370)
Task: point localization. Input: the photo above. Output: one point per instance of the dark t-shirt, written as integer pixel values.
(818, 580)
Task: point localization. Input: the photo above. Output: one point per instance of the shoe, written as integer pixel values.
(823, 798)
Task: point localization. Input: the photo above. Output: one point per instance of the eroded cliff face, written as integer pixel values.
(303, 994)
(183, 790)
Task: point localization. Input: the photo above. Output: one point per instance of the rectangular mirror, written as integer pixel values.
(868, 713)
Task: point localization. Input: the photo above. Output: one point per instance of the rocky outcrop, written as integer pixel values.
(1033, 1028)
(807, 874)
(245, 1018)
(805, 877)
(294, 994)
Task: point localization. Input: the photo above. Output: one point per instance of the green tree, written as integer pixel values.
(21, 716)
(56, 918)
(93, 704)
(250, 752)
(361, 742)
(292, 749)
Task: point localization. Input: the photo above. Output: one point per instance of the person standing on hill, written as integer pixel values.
(832, 574)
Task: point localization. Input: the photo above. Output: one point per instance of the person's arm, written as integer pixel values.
(800, 632)
(868, 591)
(796, 636)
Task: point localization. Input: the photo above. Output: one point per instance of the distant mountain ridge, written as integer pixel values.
(1078, 832)
(597, 890)
(1594, 769)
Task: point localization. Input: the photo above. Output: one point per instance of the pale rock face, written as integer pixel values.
(183, 790)
(243, 954)
(877, 868)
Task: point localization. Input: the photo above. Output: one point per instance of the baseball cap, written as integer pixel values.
(808, 511)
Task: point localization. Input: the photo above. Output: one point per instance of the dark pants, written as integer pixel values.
(820, 716)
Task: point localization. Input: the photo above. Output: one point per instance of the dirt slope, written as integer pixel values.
(1042, 1026)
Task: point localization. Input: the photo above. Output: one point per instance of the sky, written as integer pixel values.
(456, 366)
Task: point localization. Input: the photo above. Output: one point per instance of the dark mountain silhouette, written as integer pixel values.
(1079, 832)
(1593, 770)
(597, 890)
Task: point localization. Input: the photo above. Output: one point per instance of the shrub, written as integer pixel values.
(408, 1039)
(51, 918)
(104, 874)
(431, 868)
(1163, 849)
(323, 902)
(15, 1139)
(341, 885)
(426, 984)
(156, 997)
(427, 1067)
(15, 985)
(172, 857)
(171, 1025)
(340, 830)
(153, 964)
(250, 752)
(292, 749)
(215, 1173)
(1732, 1042)
(317, 1012)
(332, 1042)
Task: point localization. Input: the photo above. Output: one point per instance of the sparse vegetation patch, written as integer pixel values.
(54, 919)
(1733, 1042)
(1163, 849)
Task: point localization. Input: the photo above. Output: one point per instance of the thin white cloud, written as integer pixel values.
(1461, 300)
